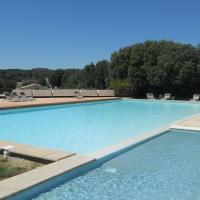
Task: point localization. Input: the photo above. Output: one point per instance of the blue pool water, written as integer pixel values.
(88, 127)
(167, 167)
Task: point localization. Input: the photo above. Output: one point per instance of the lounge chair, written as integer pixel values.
(14, 97)
(150, 96)
(196, 97)
(167, 96)
(25, 98)
(27, 92)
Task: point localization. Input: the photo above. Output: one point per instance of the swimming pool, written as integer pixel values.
(88, 127)
(166, 167)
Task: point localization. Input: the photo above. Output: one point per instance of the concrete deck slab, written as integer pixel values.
(24, 181)
(35, 152)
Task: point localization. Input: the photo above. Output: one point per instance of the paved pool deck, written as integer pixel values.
(191, 123)
(4, 104)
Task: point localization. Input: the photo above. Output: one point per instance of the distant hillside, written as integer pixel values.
(92, 76)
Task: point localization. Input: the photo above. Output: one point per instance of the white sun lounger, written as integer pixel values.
(167, 96)
(196, 97)
(150, 96)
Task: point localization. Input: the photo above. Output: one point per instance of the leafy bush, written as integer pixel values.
(122, 87)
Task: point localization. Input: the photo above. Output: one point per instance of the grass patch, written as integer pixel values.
(7, 171)
(14, 166)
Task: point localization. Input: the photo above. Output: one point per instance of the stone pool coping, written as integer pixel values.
(19, 183)
(50, 101)
(187, 128)
(35, 153)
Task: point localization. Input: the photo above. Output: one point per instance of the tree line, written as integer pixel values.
(90, 77)
(152, 66)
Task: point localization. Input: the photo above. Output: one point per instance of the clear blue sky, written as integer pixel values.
(72, 33)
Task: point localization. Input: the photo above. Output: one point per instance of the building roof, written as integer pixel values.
(34, 86)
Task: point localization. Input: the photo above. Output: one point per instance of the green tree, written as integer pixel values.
(120, 62)
(101, 74)
(157, 66)
(89, 75)
(42, 82)
(56, 78)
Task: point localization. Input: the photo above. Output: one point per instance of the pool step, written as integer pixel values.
(11, 186)
(35, 153)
